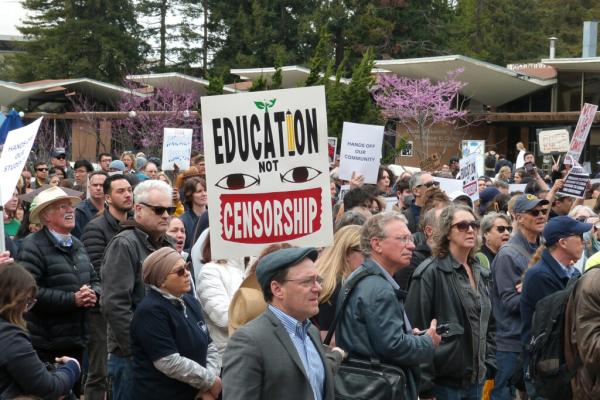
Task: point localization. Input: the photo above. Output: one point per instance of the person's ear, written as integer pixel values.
(277, 289)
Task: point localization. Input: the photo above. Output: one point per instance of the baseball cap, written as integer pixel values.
(562, 227)
(117, 165)
(58, 151)
(526, 202)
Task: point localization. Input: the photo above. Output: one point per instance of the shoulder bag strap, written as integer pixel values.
(351, 284)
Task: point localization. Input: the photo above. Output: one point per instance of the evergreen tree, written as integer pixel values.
(71, 39)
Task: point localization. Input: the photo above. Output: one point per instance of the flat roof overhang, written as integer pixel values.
(180, 83)
(489, 84)
(292, 76)
(591, 64)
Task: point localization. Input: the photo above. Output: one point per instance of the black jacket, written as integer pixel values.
(21, 371)
(123, 287)
(96, 236)
(84, 213)
(440, 289)
(56, 323)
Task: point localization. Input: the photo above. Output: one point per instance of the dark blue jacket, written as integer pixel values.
(541, 280)
(373, 324)
(507, 270)
(190, 221)
(84, 213)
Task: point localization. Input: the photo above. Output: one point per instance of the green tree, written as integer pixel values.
(67, 39)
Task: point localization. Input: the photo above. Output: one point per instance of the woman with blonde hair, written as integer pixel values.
(335, 264)
(504, 174)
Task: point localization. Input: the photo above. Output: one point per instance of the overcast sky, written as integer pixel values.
(11, 13)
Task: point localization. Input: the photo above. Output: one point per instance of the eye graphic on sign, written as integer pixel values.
(237, 181)
(300, 175)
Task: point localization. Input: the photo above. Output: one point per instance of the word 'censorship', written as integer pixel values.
(270, 217)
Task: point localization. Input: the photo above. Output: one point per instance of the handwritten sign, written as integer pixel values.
(267, 169)
(177, 148)
(14, 156)
(468, 175)
(553, 140)
(360, 151)
(475, 147)
(586, 118)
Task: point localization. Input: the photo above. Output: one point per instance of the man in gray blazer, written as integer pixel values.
(279, 355)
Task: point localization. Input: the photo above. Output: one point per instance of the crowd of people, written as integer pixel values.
(108, 288)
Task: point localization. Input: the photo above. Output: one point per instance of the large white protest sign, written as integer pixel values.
(177, 148)
(468, 175)
(553, 140)
(267, 169)
(449, 185)
(360, 151)
(586, 118)
(14, 156)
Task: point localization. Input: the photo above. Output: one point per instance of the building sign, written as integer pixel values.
(267, 166)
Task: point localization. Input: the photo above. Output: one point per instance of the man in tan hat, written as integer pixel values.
(68, 284)
(123, 288)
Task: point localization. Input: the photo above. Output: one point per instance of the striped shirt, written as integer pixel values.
(311, 360)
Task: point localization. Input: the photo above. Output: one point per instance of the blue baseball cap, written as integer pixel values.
(526, 202)
(562, 227)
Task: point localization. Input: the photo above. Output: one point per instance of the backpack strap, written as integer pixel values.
(350, 285)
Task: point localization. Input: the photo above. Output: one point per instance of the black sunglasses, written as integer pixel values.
(430, 184)
(41, 169)
(159, 210)
(61, 157)
(535, 213)
(463, 226)
(502, 228)
(180, 272)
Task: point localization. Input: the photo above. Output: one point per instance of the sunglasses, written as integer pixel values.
(41, 169)
(180, 272)
(430, 184)
(502, 229)
(159, 210)
(535, 213)
(61, 157)
(463, 226)
(582, 218)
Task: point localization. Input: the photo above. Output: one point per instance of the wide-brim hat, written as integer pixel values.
(45, 199)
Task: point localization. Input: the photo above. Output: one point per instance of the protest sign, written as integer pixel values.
(553, 140)
(449, 185)
(14, 156)
(468, 176)
(360, 151)
(331, 148)
(431, 163)
(575, 185)
(390, 202)
(267, 170)
(177, 148)
(475, 147)
(586, 118)
(516, 187)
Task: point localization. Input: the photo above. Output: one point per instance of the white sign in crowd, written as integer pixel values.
(269, 175)
(360, 151)
(177, 148)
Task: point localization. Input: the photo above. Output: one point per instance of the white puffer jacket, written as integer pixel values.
(217, 283)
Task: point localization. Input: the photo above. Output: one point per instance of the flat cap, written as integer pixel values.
(270, 264)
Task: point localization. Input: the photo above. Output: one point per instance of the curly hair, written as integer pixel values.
(441, 243)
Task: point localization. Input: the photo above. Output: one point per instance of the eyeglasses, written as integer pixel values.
(160, 210)
(502, 228)
(429, 184)
(180, 272)
(29, 304)
(41, 169)
(535, 213)
(307, 282)
(463, 226)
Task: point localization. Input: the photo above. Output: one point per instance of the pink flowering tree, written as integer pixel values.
(148, 116)
(419, 104)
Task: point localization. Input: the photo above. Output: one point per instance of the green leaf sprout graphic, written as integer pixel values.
(265, 105)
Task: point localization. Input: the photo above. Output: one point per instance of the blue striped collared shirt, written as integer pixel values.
(311, 360)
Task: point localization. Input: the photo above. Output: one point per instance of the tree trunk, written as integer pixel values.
(163, 34)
